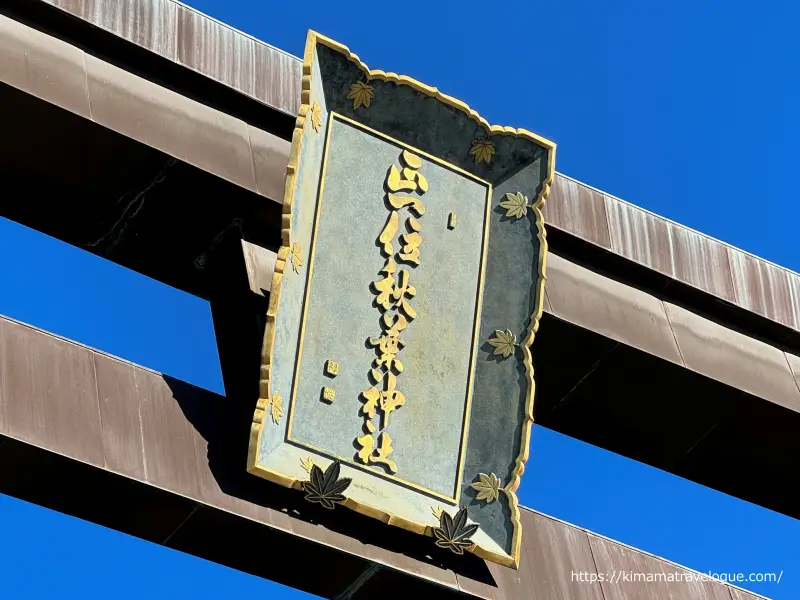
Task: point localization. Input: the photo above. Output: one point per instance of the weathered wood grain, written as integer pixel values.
(49, 399)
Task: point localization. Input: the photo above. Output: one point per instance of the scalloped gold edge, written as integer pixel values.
(527, 360)
(434, 93)
(312, 40)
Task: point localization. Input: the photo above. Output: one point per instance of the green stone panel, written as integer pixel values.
(341, 314)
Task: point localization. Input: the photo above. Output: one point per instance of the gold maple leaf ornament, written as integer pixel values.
(504, 343)
(453, 533)
(361, 94)
(297, 257)
(487, 486)
(316, 116)
(307, 464)
(516, 205)
(276, 408)
(326, 488)
(482, 149)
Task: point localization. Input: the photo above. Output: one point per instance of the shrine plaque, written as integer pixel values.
(396, 376)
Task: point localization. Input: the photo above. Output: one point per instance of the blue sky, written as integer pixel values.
(686, 108)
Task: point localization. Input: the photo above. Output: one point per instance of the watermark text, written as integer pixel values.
(674, 576)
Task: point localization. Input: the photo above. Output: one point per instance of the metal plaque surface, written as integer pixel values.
(396, 372)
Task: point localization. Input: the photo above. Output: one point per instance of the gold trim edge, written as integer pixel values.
(312, 40)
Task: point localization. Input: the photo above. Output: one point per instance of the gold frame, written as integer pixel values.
(476, 324)
(512, 560)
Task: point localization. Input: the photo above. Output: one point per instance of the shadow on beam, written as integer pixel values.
(155, 515)
(637, 405)
(225, 426)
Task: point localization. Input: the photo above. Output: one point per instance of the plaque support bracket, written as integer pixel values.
(240, 274)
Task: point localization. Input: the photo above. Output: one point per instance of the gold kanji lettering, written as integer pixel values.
(394, 323)
(387, 347)
(372, 396)
(411, 242)
(383, 451)
(400, 201)
(385, 286)
(402, 293)
(388, 233)
(394, 293)
(395, 183)
(391, 398)
(367, 443)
